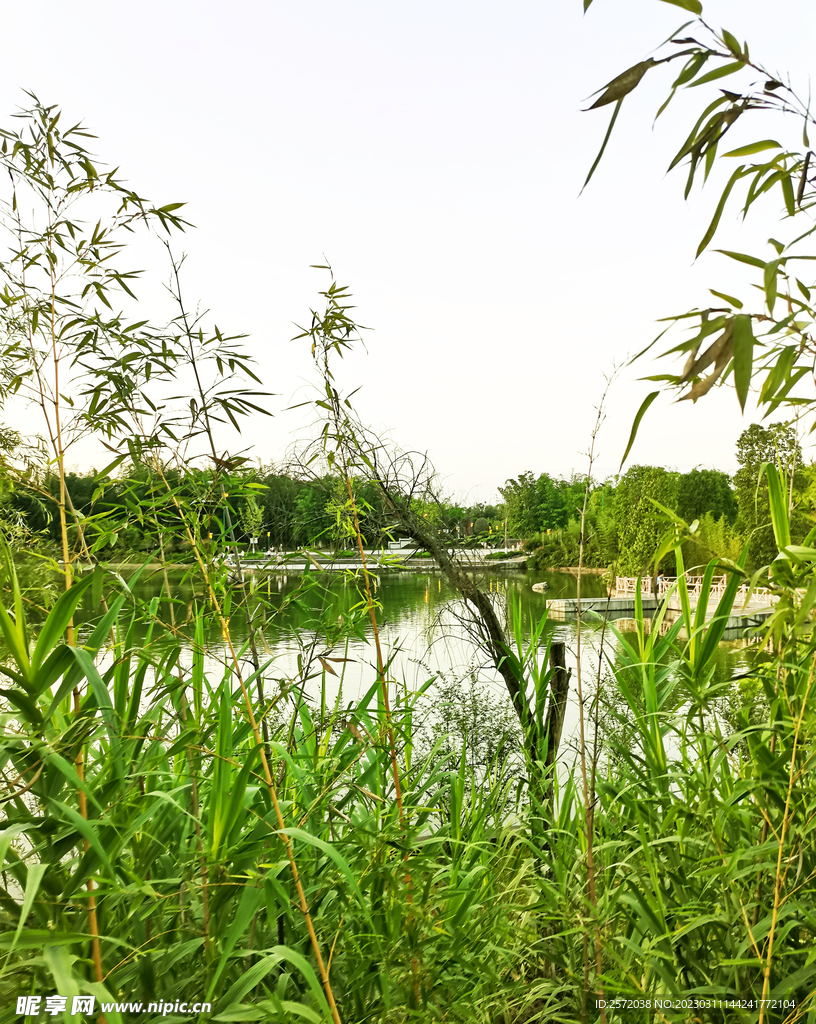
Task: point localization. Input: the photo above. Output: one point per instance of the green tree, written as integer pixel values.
(279, 501)
(252, 517)
(533, 504)
(313, 520)
(551, 504)
(715, 538)
(703, 491)
(602, 544)
(520, 505)
(453, 518)
(572, 492)
(776, 444)
(480, 528)
(640, 522)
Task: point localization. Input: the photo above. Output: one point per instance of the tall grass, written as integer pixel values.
(193, 888)
(703, 837)
(169, 830)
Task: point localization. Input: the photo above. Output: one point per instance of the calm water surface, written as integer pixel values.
(420, 623)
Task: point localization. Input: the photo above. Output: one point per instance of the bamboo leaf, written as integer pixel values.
(718, 352)
(271, 958)
(603, 144)
(14, 626)
(56, 623)
(743, 350)
(770, 281)
(34, 877)
(60, 963)
(727, 298)
(687, 5)
(787, 193)
(111, 466)
(721, 72)
(636, 423)
(39, 938)
(303, 1011)
(19, 699)
(86, 830)
(779, 506)
(621, 86)
(742, 257)
(754, 147)
(333, 854)
(715, 220)
(101, 697)
(732, 42)
(248, 904)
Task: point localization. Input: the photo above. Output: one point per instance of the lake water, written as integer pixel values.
(423, 628)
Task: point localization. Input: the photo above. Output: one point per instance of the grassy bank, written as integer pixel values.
(134, 785)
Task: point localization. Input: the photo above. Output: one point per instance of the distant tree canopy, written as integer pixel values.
(281, 510)
(705, 491)
(623, 523)
(776, 444)
(641, 524)
(538, 503)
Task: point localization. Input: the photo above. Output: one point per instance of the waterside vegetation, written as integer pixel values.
(175, 811)
(287, 511)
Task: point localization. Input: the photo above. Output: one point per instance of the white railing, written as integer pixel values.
(628, 585)
(625, 585)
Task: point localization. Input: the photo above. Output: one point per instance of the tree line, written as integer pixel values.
(626, 516)
(281, 510)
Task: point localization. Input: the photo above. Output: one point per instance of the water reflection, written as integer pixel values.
(423, 624)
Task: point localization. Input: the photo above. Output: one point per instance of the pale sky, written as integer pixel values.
(434, 153)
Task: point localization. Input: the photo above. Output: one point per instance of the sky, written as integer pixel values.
(433, 153)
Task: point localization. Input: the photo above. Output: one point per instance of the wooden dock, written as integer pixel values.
(744, 617)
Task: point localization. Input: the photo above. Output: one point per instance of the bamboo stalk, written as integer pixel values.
(267, 775)
(589, 796)
(787, 817)
(341, 440)
(93, 922)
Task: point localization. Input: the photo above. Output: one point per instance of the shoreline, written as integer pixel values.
(299, 565)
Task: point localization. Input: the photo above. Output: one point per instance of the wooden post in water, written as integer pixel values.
(556, 709)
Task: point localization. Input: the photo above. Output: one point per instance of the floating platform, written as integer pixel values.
(596, 609)
(613, 607)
